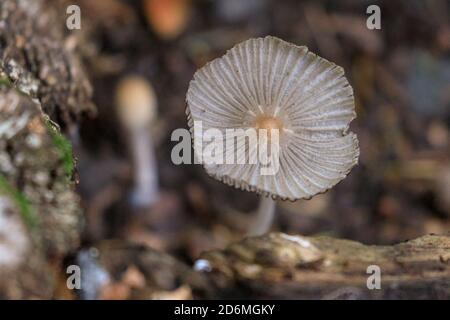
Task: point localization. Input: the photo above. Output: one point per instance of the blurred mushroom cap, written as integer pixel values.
(269, 83)
(136, 102)
(168, 18)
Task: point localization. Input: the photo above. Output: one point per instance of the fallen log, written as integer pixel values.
(280, 266)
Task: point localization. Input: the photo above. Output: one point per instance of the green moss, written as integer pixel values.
(26, 212)
(64, 148)
(4, 81)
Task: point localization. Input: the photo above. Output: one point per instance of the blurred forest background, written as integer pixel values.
(401, 79)
(400, 75)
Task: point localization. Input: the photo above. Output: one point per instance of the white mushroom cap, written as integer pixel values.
(307, 97)
(135, 101)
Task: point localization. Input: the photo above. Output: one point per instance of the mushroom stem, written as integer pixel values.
(264, 217)
(146, 187)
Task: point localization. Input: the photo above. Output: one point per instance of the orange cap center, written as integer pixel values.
(269, 123)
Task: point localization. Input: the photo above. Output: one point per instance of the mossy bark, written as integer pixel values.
(43, 88)
(38, 197)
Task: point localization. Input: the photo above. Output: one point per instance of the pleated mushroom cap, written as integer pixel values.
(270, 83)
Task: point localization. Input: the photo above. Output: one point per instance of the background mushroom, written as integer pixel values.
(267, 83)
(136, 108)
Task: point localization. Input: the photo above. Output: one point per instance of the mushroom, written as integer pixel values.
(168, 18)
(270, 85)
(136, 109)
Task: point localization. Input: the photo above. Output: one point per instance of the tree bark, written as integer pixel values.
(39, 57)
(40, 215)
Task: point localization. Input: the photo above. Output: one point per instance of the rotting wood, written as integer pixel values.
(281, 266)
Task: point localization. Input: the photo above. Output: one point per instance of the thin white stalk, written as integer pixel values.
(146, 187)
(264, 217)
